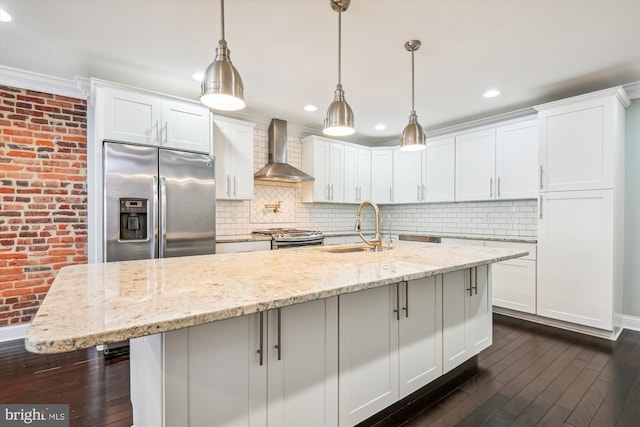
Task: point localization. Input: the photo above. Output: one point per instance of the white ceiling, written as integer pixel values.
(286, 52)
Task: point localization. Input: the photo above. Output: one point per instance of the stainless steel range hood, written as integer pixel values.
(278, 169)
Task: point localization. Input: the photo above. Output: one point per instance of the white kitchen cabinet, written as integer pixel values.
(439, 176)
(578, 148)
(475, 165)
(233, 149)
(141, 118)
(516, 161)
(250, 246)
(466, 315)
(342, 240)
(275, 368)
(382, 175)
(323, 159)
(390, 345)
(408, 181)
(357, 174)
(576, 257)
(581, 211)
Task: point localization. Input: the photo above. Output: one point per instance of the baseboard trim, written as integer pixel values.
(13, 332)
(631, 322)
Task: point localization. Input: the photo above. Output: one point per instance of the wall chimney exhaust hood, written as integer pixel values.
(277, 169)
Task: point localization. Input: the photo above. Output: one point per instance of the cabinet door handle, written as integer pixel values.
(499, 181)
(541, 172)
(332, 192)
(397, 310)
(418, 192)
(406, 299)
(328, 193)
(423, 193)
(540, 207)
(279, 344)
(261, 349)
(158, 136)
(475, 273)
(390, 194)
(490, 187)
(228, 186)
(470, 289)
(166, 133)
(235, 187)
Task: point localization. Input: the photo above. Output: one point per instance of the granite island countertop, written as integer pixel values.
(95, 304)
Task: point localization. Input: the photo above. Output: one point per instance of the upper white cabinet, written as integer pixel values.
(149, 119)
(233, 149)
(323, 159)
(577, 144)
(497, 163)
(382, 175)
(475, 165)
(390, 345)
(357, 174)
(516, 160)
(439, 177)
(408, 176)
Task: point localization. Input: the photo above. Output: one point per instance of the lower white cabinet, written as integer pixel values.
(466, 315)
(390, 345)
(235, 247)
(275, 368)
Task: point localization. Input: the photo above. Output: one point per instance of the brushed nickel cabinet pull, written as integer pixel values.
(418, 192)
(397, 310)
(261, 349)
(406, 299)
(499, 180)
(490, 187)
(540, 206)
(279, 344)
(541, 171)
(470, 289)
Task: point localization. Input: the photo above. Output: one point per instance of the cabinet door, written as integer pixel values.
(185, 127)
(575, 257)
(455, 289)
(382, 175)
(336, 172)
(517, 161)
(475, 166)
(407, 176)
(131, 117)
(222, 153)
(364, 174)
(303, 364)
(478, 310)
(241, 160)
(576, 146)
(420, 334)
(439, 173)
(351, 174)
(514, 285)
(368, 337)
(315, 160)
(225, 383)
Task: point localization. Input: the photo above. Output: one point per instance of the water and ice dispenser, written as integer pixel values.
(133, 219)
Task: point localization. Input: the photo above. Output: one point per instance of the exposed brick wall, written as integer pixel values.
(43, 197)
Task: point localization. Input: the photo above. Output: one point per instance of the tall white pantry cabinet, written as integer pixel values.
(581, 205)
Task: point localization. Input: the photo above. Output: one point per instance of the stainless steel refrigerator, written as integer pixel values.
(159, 203)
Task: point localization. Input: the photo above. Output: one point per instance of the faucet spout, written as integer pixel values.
(377, 241)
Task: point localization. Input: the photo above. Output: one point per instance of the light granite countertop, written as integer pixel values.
(95, 304)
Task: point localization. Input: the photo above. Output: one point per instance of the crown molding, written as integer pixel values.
(633, 90)
(78, 87)
(618, 91)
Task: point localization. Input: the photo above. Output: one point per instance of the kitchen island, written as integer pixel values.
(300, 337)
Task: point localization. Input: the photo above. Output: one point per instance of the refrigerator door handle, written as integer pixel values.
(163, 216)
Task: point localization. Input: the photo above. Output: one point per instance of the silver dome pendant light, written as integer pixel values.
(413, 138)
(222, 87)
(339, 120)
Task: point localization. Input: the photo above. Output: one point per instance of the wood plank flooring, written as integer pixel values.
(531, 375)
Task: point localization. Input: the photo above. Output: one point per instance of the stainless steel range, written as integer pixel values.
(284, 238)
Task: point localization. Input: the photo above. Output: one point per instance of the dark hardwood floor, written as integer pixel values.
(531, 375)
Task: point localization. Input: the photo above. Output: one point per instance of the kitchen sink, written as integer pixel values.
(341, 249)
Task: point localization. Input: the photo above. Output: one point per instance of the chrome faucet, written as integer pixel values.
(377, 241)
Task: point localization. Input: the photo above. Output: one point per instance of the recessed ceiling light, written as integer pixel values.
(490, 93)
(380, 126)
(198, 76)
(4, 16)
(310, 108)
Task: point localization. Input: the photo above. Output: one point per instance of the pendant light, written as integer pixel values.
(339, 119)
(222, 85)
(413, 138)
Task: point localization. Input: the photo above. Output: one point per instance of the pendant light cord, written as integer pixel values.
(413, 90)
(340, 46)
(222, 16)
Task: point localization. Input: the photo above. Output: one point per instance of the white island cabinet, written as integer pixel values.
(390, 345)
(275, 368)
